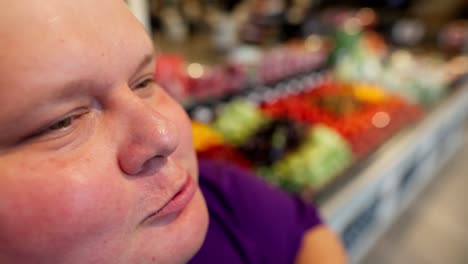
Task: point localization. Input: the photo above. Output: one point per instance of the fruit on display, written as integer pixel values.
(418, 79)
(205, 137)
(238, 120)
(364, 115)
(301, 139)
(215, 81)
(226, 153)
(288, 153)
(188, 82)
(273, 141)
(193, 81)
(321, 156)
(369, 93)
(281, 63)
(210, 144)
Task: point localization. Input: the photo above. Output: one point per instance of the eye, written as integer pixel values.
(143, 84)
(60, 128)
(146, 87)
(62, 124)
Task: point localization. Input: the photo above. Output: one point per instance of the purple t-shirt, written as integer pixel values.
(250, 221)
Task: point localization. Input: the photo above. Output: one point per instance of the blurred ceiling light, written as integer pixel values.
(195, 70)
(381, 119)
(407, 31)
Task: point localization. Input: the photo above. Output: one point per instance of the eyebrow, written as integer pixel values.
(73, 86)
(71, 89)
(147, 59)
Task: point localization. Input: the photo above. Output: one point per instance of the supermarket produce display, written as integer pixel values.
(305, 131)
(302, 141)
(364, 115)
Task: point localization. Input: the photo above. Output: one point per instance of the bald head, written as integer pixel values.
(64, 26)
(81, 118)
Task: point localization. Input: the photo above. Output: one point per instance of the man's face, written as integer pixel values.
(90, 146)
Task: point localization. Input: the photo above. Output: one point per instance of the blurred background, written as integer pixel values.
(358, 106)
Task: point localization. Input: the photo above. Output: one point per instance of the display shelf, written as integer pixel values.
(257, 93)
(363, 207)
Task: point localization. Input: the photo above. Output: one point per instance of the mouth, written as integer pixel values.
(177, 203)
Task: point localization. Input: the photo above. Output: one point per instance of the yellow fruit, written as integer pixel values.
(204, 136)
(369, 93)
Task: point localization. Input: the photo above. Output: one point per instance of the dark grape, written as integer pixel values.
(273, 141)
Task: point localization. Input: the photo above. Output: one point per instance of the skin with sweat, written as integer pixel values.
(90, 146)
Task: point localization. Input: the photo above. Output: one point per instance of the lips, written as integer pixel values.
(177, 203)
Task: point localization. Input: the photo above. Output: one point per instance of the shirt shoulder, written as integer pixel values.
(270, 220)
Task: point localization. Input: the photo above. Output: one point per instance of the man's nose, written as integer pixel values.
(150, 138)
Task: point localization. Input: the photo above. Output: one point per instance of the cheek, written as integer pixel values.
(54, 205)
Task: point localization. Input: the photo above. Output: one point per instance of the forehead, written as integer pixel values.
(37, 33)
(45, 43)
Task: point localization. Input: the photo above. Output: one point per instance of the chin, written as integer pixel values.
(181, 238)
(196, 223)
